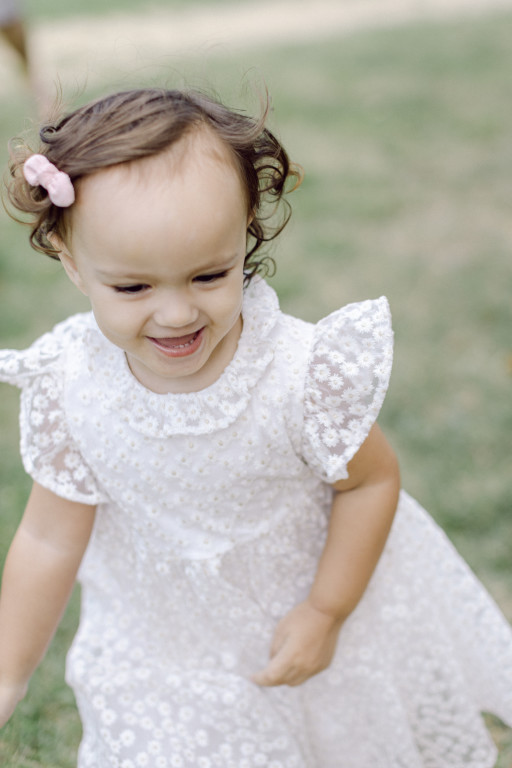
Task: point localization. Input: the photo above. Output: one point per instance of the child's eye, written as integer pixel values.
(138, 288)
(210, 278)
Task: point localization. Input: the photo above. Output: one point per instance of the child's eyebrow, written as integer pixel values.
(219, 263)
(118, 274)
(216, 265)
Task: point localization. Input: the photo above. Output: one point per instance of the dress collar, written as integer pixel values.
(190, 413)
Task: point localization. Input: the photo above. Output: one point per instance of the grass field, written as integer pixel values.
(59, 9)
(405, 137)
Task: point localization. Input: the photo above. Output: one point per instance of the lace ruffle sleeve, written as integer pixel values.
(347, 378)
(48, 451)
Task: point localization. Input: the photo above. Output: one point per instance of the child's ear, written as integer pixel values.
(67, 261)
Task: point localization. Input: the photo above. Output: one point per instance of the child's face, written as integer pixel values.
(159, 248)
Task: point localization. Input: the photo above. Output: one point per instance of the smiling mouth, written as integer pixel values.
(178, 346)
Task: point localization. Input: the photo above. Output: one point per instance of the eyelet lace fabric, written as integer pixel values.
(349, 371)
(213, 510)
(47, 448)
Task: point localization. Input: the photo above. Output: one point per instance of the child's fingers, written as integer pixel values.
(302, 646)
(273, 674)
(270, 677)
(281, 670)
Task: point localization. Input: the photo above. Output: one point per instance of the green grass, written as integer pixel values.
(57, 9)
(405, 138)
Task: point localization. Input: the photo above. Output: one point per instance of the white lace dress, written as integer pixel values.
(212, 513)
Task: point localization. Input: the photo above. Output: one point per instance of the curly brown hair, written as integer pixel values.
(131, 125)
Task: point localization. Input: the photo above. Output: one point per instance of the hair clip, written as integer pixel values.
(39, 171)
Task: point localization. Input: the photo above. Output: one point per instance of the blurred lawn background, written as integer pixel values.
(58, 9)
(405, 138)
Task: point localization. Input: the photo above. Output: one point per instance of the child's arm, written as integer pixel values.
(38, 577)
(362, 512)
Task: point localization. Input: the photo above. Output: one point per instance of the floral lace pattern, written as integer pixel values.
(213, 514)
(348, 378)
(47, 448)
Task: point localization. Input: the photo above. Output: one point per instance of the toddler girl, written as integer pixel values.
(256, 591)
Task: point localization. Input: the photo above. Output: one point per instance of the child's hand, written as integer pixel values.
(10, 695)
(304, 643)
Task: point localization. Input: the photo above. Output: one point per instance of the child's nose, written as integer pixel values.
(175, 310)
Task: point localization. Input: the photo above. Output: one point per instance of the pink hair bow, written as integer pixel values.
(38, 170)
